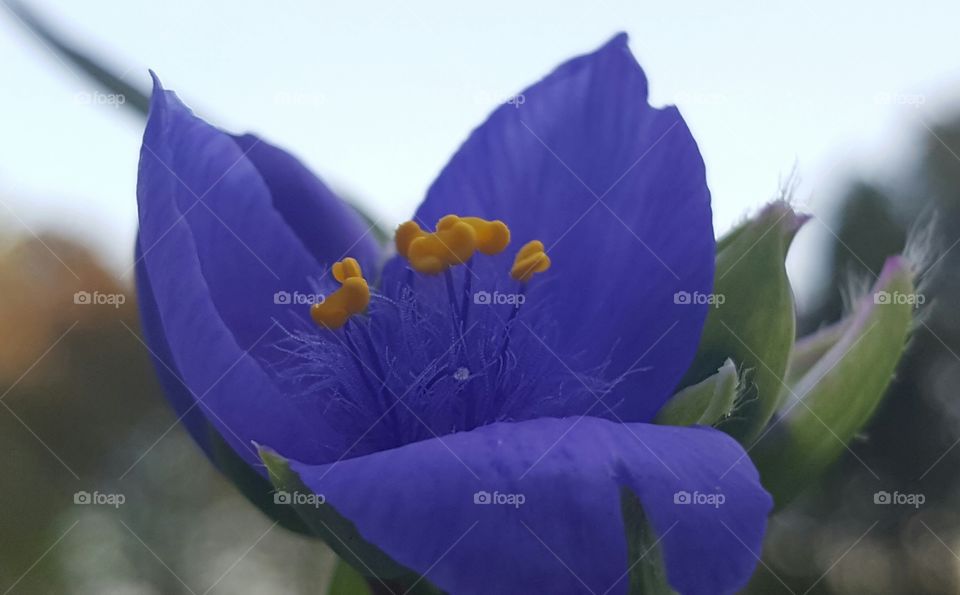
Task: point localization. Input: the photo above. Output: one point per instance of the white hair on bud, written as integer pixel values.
(924, 248)
(857, 282)
(785, 194)
(746, 393)
(787, 187)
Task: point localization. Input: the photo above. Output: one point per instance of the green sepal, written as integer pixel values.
(836, 396)
(347, 581)
(647, 574)
(752, 320)
(704, 403)
(341, 534)
(252, 485)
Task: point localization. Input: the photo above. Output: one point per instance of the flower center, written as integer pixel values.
(437, 353)
(454, 243)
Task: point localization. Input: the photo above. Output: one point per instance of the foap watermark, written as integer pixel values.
(485, 298)
(99, 499)
(896, 297)
(286, 298)
(698, 299)
(485, 497)
(883, 497)
(299, 98)
(95, 298)
(515, 100)
(715, 499)
(299, 498)
(908, 99)
(98, 98)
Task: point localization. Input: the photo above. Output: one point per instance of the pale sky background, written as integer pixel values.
(375, 96)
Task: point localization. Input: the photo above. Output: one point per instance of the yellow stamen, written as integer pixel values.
(406, 233)
(346, 268)
(530, 259)
(492, 236)
(454, 242)
(436, 252)
(352, 297)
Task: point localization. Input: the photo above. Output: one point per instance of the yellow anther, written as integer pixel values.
(530, 259)
(406, 233)
(492, 236)
(352, 297)
(454, 242)
(433, 253)
(346, 268)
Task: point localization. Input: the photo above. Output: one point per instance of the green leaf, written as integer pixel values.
(114, 84)
(752, 320)
(647, 573)
(347, 581)
(341, 534)
(704, 403)
(108, 79)
(836, 396)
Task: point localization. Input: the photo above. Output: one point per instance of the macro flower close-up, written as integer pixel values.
(428, 298)
(519, 352)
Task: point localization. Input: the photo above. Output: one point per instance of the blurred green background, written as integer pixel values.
(81, 412)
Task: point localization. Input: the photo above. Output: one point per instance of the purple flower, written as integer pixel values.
(477, 429)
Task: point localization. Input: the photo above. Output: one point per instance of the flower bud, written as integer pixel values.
(831, 397)
(754, 323)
